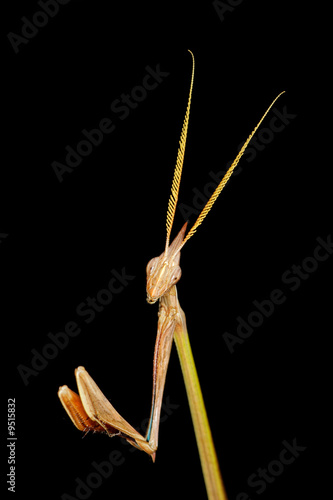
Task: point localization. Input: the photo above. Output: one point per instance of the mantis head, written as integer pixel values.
(164, 271)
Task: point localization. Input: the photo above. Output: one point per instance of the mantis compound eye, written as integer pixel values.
(176, 275)
(151, 266)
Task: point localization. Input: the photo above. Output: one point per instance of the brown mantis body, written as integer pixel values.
(91, 410)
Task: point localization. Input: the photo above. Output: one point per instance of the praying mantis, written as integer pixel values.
(90, 410)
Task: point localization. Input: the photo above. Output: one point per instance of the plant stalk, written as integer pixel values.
(209, 463)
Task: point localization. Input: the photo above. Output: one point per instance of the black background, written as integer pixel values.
(64, 238)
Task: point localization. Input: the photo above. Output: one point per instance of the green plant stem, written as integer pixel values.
(209, 463)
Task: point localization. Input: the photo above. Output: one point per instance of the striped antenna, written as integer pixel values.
(179, 164)
(225, 179)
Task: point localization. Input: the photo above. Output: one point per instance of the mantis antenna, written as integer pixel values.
(179, 166)
(226, 177)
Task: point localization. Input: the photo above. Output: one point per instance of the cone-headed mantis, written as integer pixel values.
(91, 410)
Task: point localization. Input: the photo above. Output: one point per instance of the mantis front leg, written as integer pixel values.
(91, 410)
(169, 316)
